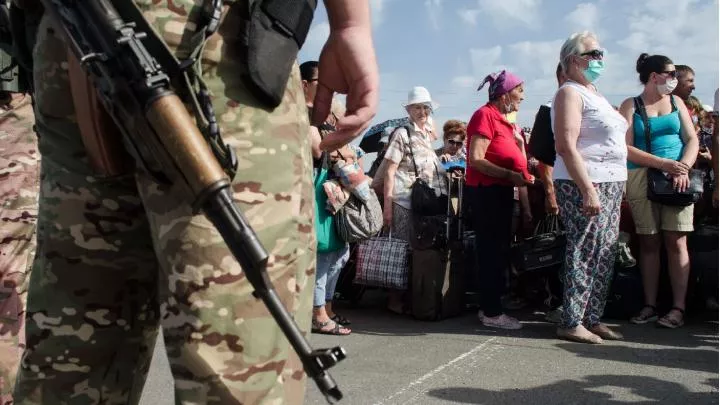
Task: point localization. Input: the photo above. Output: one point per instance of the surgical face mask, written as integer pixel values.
(594, 70)
(667, 87)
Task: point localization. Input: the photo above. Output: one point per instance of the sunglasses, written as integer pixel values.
(594, 54)
(455, 143)
(671, 73)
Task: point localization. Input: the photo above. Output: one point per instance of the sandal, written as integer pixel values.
(670, 322)
(341, 320)
(337, 329)
(645, 317)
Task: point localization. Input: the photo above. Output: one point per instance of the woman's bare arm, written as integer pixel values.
(566, 127)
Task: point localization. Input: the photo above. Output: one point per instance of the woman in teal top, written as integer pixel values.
(665, 139)
(674, 145)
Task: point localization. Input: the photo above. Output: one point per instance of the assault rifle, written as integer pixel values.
(108, 38)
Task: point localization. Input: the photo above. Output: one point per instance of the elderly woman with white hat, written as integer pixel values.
(410, 154)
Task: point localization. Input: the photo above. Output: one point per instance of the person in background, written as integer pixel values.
(674, 146)
(589, 181)
(542, 148)
(707, 123)
(406, 153)
(329, 263)
(453, 149)
(686, 84)
(715, 142)
(703, 208)
(496, 164)
(695, 109)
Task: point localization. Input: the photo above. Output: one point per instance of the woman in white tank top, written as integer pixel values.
(589, 178)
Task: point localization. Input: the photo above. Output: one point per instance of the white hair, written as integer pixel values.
(574, 45)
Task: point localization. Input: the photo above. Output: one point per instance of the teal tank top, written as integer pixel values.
(665, 138)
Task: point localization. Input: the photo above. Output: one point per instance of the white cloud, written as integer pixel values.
(584, 17)
(316, 39)
(469, 16)
(377, 11)
(464, 82)
(538, 57)
(684, 30)
(504, 12)
(434, 11)
(485, 60)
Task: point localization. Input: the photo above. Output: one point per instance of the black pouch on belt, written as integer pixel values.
(274, 35)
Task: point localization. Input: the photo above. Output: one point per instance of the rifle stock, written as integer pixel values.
(165, 142)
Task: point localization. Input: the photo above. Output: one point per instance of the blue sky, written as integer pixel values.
(449, 46)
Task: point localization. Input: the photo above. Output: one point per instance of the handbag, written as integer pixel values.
(327, 237)
(659, 186)
(423, 200)
(358, 220)
(546, 248)
(383, 262)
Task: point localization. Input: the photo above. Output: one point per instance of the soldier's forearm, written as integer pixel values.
(348, 13)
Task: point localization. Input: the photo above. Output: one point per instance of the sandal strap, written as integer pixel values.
(681, 310)
(339, 318)
(319, 325)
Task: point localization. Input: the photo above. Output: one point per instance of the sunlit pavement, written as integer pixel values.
(397, 360)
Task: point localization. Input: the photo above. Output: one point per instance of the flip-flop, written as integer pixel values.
(341, 320)
(317, 327)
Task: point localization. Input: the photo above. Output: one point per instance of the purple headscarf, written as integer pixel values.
(500, 83)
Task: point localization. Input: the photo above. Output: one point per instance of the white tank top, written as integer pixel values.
(602, 139)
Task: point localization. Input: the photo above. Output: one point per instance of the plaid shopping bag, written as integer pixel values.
(383, 262)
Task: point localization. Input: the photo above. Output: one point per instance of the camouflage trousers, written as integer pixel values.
(119, 256)
(19, 177)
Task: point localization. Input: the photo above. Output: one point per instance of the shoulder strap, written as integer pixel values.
(640, 109)
(412, 155)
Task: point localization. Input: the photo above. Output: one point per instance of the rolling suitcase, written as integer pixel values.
(437, 280)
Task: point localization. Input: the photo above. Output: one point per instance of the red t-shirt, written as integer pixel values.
(502, 151)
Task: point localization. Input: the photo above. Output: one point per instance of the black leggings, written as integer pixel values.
(492, 211)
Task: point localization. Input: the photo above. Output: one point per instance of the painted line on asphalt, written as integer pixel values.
(437, 370)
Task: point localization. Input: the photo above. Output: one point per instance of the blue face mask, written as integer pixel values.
(594, 70)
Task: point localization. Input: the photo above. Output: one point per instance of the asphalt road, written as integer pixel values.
(396, 360)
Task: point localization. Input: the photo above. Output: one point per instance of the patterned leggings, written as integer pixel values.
(591, 250)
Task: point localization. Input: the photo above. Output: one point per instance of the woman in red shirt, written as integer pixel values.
(496, 164)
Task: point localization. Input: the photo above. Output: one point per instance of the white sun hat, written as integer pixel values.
(420, 95)
(707, 108)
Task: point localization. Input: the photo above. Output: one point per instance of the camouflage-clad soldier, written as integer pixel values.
(19, 178)
(118, 255)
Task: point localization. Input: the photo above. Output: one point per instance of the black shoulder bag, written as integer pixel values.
(659, 186)
(423, 200)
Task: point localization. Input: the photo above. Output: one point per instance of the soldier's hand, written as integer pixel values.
(347, 66)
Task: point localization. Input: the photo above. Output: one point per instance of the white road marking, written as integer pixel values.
(437, 370)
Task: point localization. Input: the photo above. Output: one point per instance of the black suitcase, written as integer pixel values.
(704, 263)
(625, 297)
(437, 278)
(437, 283)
